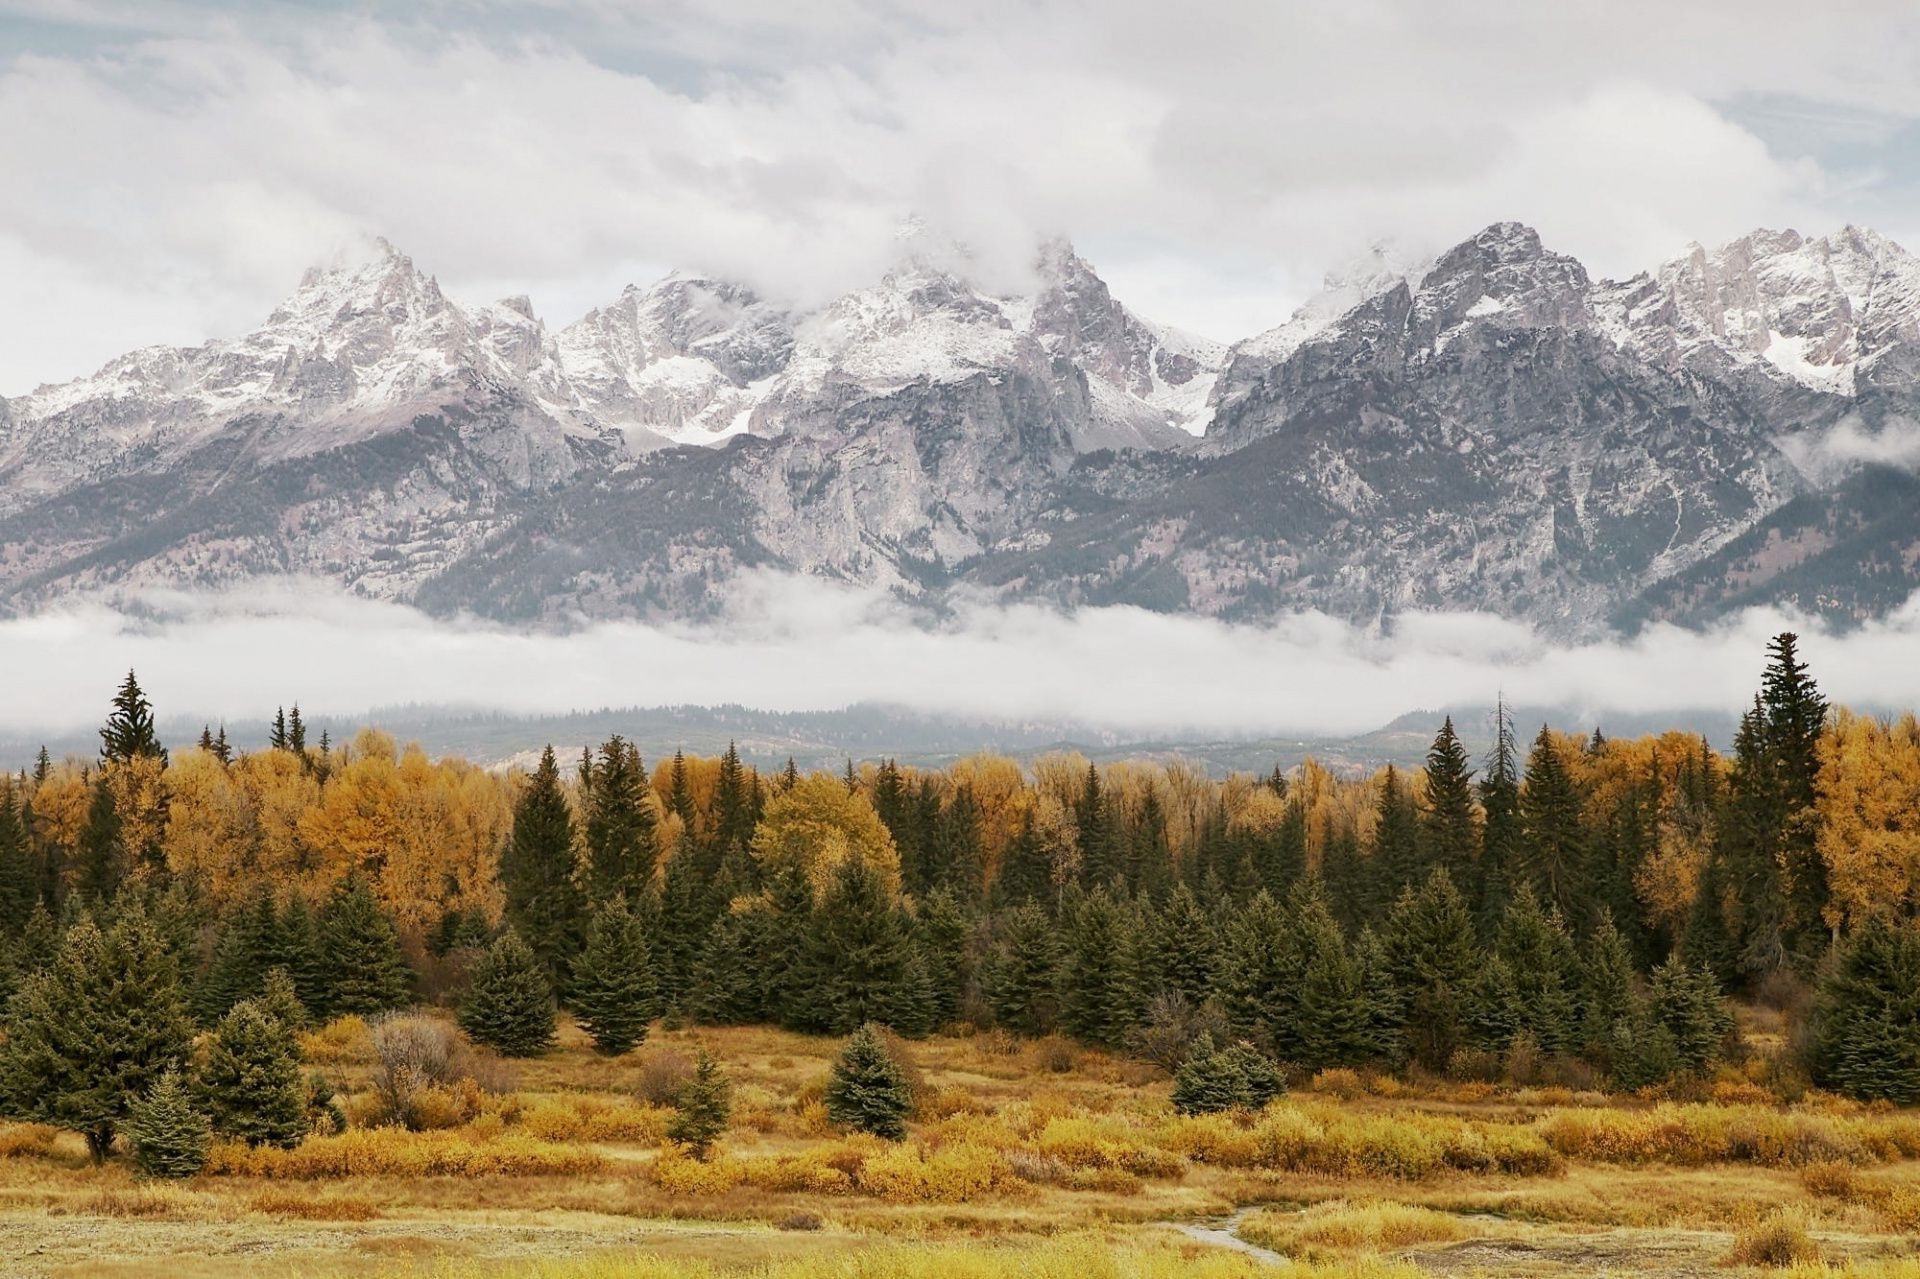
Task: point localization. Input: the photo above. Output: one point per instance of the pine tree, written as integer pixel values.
(733, 817)
(942, 932)
(1330, 1018)
(1026, 873)
(1606, 990)
(702, 1109)
(1260, 1080)
(1021, 977)
(1395, 862)
(170, 1138)
(509, 1006)
(1795, 715)
(1545, 970)
(613, 990)
(1688, 1002)
(280, 999)
(1208, 1082)
(299, 954)
(248, 945)
(1449, 834)
(102, 853)
(620, 850)
(1435, 961)
(1502, 846)
(361, 965)
(1099, 999)
(729, 987)
(537, 871)
(1099, 843)
(862, 947)
(1553, 831)
(867, 1089)
(1384, 1039)
(1866, 1019)
(92, 1032)
(1640, 1049)
(250, 1084)
(1185, 949)
(128, 733)
(1257, 969)
(18, 891)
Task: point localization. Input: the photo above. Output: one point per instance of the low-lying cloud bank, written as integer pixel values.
(794, 645)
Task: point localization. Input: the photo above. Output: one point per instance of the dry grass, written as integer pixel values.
(1778, 1242)
(1339, 1226)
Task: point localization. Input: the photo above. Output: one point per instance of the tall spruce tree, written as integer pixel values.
(861, 957)
(620, 822)
(509, 1005)
(1021, 979)
(537, 871)
(361, 966)
(1099, 997)
(128, 733)
(89, 1035)
(1502, 845)
(1395, 860)
(1540, 955)
(1449, 832)
(1185, 949)
(101, 858)
(613, 991)
(170, 1137)
(1554, 831)
(1435, 961)
(1688, 1002)
(942, 932)
(702, 1108)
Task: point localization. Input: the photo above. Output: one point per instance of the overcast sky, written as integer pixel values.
(170, 168)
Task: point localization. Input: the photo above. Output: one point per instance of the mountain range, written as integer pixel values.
(1491, 429)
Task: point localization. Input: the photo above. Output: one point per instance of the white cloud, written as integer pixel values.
(172, 167)
(796, 644)
(1826, 455)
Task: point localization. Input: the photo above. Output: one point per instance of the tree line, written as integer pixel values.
(1581, 899)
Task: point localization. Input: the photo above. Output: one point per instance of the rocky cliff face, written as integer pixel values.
(1490, 429)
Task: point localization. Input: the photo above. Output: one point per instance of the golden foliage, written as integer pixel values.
(817, 825)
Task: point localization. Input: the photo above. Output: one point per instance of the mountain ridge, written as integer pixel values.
(1491, 428)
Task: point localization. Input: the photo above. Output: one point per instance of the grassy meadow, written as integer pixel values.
(1025, 1157)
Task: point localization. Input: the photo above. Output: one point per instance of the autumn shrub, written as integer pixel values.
(676, 1172)
(27, 1140)
(1692, 1135)
(344, 1041)
(586, 1117)
(1054, 1055)
(1777, 1242)
(915, 1173)
(394, 1152)
(1339, 1081)
(662, 1073)
(427, 1075)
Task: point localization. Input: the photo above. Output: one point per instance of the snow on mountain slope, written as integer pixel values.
(1822, 311)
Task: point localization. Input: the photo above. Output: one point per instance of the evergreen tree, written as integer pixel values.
(90, 1034)
(1553, 831)
(1395, 863)
(537, 871)
(18, 890)
(1330, 1018)
(250, 1084)
(361, 966)
(1260, 1081)
(509, 1006)
(788, 938)
(1545, 971)
(862, 950)
(1185, 949)
(1026, 872)
(1449, 834)
(279, 999)
(1503, 851)
(942, 933)
(1640, 1049)
(248, 945)
(1021, 977)
(702, 1109)
(613, 991)
(1259, 968)
(1210, 1081)
(128, 733)
(1796, 712)
(1706, 941)
(102, 852)
(733, 816)
(1688, 1002)
(729, 985)
(170, 1138)
(1606, 989)
(620, 850)
(1435, 961)
(1866, 1020)
(867, 1089)
(1100, 861)
(1385, 1035)
(299, 954)
(1495, 1016)
(1098, 996)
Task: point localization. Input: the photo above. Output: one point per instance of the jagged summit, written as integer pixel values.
(1490, 427)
